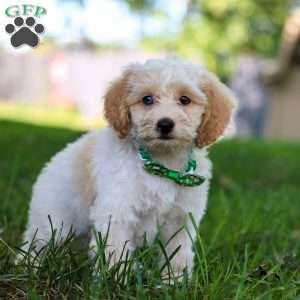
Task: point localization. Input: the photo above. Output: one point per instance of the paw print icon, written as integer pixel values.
(24, 32)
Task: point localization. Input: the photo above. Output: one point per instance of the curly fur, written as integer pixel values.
(99, 179)
(217, 117)
(116, 111)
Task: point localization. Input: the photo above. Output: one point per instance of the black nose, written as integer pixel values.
(165, 126)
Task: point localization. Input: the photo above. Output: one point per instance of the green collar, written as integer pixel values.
(187, 178)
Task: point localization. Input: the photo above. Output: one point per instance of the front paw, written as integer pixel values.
(181, 262)
(111, 257)
(115, 255)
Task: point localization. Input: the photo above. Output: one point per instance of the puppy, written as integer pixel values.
(148, 169)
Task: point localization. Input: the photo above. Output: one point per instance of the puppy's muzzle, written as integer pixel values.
(165, 126)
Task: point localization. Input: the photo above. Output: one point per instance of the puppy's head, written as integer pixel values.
(168, 103)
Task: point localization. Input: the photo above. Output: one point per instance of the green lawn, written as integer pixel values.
(250, 236)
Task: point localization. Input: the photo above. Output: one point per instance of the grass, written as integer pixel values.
(248, 246)
(47, 115)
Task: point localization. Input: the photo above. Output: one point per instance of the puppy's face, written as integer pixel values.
(168, 103)
(165, 107)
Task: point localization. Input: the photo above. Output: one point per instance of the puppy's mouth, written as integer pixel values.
(158, 138)
(166, 137)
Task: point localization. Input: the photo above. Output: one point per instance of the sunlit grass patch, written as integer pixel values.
(47, 115)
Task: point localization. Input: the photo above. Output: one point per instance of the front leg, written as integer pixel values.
(109, 219)
(184, 256)
(118, 241)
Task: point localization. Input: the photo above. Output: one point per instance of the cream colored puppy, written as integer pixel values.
(171, 110)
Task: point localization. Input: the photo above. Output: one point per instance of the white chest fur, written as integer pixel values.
(128, 194)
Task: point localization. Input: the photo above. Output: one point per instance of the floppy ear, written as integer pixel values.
(221, 103)
(115, 108)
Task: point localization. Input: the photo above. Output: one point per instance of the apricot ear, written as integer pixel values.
(221, 103)
(115, 109)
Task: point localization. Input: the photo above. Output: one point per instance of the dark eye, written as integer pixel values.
(184, 100)
(148, 100)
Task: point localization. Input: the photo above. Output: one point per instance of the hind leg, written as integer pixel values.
(60, 215)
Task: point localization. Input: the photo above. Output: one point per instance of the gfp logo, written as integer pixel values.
(25, 29)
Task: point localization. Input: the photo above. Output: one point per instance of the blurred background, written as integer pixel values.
(253, 45)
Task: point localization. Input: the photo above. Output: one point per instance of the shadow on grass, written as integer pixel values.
(24, 150)
(31, 143)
